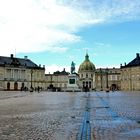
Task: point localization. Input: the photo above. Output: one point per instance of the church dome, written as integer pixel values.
(86, 65)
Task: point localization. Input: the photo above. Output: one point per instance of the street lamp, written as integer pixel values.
(31, 89)
(101, 78)
(107, 79)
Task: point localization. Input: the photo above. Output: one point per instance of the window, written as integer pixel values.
(16, 74)
(114, 77)
(83, 84)
(1, 76)
(23, 74)
(1, 84)
(86, 83)
(8, 73)
(90, 84)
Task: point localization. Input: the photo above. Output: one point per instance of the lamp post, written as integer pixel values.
(56, 86)
(101, 78)
(31, 89)
(131, 81)
(107, 79)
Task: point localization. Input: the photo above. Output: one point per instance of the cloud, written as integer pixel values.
(32, 26)
(49, 25)
(102, 45)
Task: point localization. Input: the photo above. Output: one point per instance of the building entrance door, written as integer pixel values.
(113, 87)
(15, 86)
(8, 86)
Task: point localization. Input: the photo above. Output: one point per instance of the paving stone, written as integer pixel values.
(58, 115)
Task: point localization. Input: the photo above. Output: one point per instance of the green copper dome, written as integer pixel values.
(86, 65)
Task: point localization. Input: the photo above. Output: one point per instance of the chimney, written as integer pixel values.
(125, 63)
(120, 65)
(25, 57)
(12, 55)
(137, 55)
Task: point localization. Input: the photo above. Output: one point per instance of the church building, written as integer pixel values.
(87, 75)
(100, 79)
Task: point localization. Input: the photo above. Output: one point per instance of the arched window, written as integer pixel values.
(89, 84)
(86, 83)
(83, 84)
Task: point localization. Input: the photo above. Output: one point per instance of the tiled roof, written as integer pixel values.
(18, 62)
(134, 62)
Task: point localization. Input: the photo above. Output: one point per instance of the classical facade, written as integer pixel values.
(108, 79)
(20, 74)
(62, 80)
(87, 75)
(98, 79)
(56, 81)
(23, 74)
(130, 75)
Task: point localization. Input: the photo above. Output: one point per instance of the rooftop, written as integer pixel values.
(135, 62)
(18, 62)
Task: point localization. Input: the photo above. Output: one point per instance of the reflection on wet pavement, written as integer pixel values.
(59, 115)
(110, 122)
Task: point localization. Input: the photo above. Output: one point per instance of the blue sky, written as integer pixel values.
(55, 32)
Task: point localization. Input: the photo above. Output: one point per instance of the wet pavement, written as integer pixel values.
(61, 115)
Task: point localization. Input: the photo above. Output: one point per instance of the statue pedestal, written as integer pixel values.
(72, 83)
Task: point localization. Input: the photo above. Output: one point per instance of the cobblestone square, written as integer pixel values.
(59, 115)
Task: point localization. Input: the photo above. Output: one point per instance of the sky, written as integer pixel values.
(56, 32)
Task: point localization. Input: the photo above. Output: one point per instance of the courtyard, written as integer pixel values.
(69, 115)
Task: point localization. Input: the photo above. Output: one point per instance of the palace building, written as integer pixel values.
(88, 78)
(20, 74)
(57, 81)
(23, 74)
(130, 75)
(108, 79)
